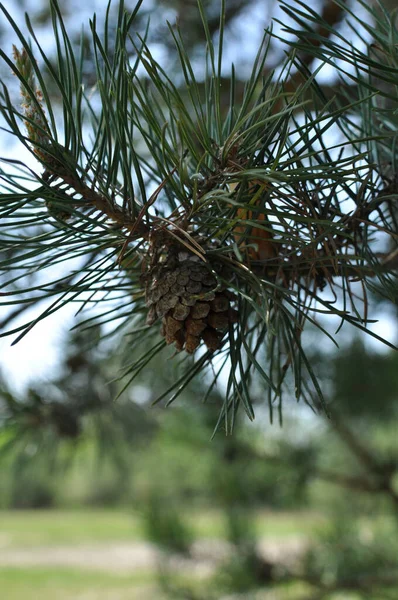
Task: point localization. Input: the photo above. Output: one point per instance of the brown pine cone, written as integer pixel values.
(182, 290)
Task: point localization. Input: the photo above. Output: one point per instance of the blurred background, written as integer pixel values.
(124, 500)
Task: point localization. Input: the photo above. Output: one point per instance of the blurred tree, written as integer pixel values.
(43, 430)
(346, 468)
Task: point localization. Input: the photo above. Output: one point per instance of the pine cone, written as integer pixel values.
(183, 292)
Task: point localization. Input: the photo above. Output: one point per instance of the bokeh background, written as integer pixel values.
(122, 500)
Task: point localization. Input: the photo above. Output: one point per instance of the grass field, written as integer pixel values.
(35, 533)
(47, 527)
(73, 584)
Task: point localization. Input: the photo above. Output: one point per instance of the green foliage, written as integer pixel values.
(144, 159)
(34, 488)
(370, 65)
(184, 488)
(140, 159)
(371, 390)
(164, 524)
(352, 556)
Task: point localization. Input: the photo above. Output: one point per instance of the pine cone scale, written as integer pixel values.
(183, 291)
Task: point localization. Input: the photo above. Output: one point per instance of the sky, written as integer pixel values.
(38, 355)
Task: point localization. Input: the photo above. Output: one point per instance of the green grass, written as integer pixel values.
(67, 527)
(74, 584)
(32, 529)
(265, 523)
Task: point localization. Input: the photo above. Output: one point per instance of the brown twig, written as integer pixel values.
(101, 203)
(378, 477)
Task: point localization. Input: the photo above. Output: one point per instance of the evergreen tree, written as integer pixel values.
(229, 225)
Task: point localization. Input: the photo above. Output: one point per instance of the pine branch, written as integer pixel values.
(378, 476)
(331, 15)
(92, 198)
(258, 222)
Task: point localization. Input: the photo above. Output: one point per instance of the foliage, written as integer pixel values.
(71, 418)
(342, 470)
(165, 526)
(281, 193)
(284, 192)
(347, 470)
(350, 557)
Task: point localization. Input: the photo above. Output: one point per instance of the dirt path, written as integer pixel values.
(137, 556)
